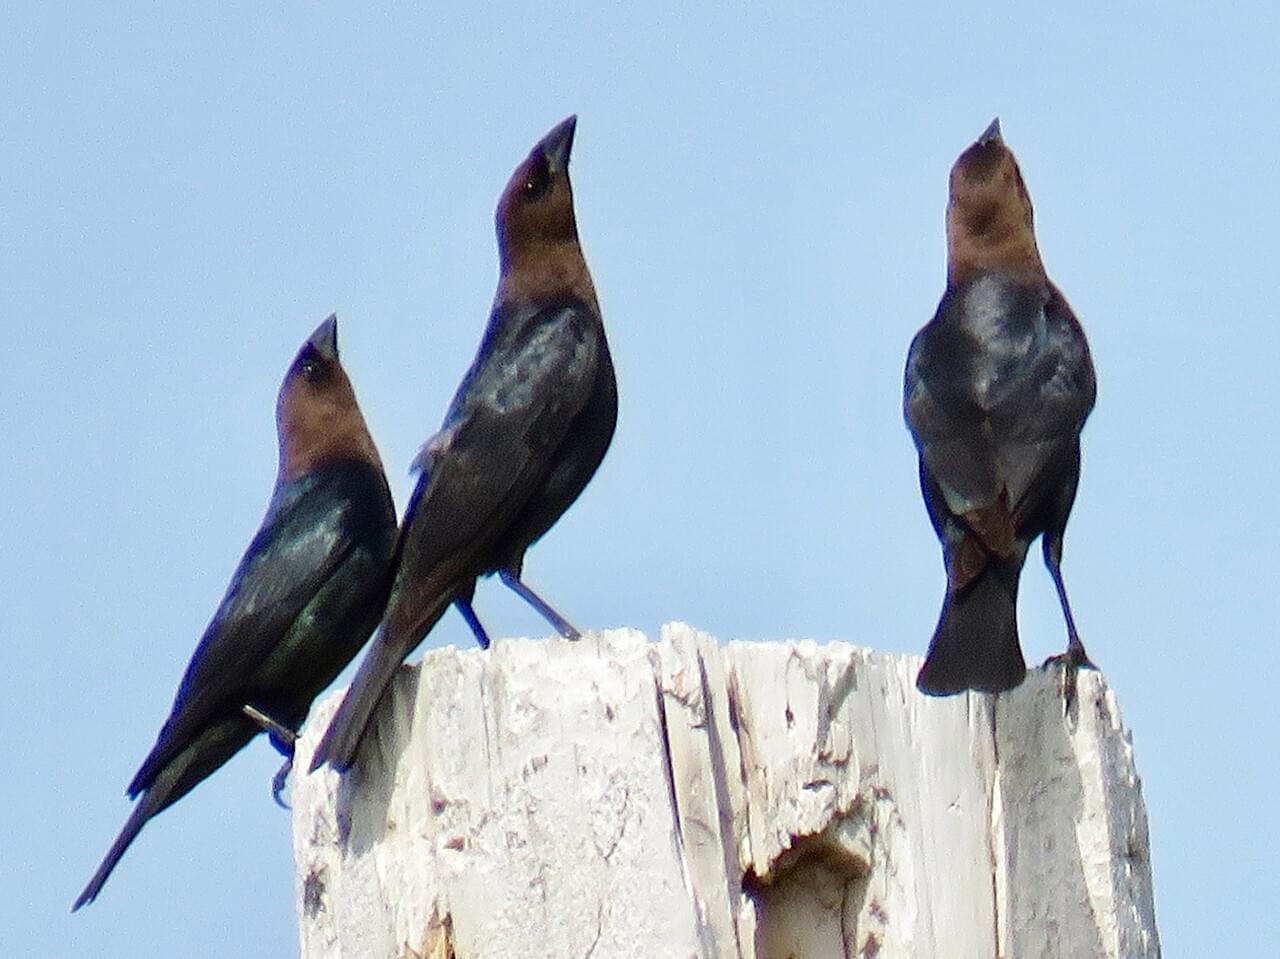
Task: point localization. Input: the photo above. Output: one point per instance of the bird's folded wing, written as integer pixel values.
(501, 437)
(301, 544)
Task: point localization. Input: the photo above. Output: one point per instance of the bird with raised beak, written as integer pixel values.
(525, 432)
(998, 386)
(308, 592)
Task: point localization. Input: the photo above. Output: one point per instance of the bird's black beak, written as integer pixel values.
(325, 338)
(991, 134)
(556, 145)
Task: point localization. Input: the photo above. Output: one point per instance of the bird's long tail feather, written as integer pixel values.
(341, 741)
(143, 811)
(976, 643)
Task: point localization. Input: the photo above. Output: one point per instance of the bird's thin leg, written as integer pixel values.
(284, 739)
(561, 625)
(1075, 658)
(281, 736)
(463, 603)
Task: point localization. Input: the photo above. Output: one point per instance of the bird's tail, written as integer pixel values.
(181, 773)
(341, 741)
(976, 643)
(143, 811)
(172, 783)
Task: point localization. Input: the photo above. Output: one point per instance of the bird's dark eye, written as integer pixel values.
(537, 180)
(311, 366)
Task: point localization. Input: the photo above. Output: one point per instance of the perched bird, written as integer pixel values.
(524, 434)
(305, 597)
(998, 386)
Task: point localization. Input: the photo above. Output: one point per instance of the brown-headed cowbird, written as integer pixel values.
(525, 433)
(308, 592)
(998, 386)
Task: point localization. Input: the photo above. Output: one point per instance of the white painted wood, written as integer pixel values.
(616, 798)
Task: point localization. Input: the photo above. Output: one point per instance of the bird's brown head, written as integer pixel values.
(537, 232)
(317, 417)
(990, 226)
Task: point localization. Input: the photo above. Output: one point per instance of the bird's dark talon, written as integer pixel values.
(279, 781)
(1071, 662)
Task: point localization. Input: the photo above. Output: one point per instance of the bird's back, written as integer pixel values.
(998, 386)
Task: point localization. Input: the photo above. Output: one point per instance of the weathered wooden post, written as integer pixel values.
(621, 799)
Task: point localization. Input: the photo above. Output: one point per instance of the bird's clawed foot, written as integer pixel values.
(279, 781)
(284, 739)
(1072, 661)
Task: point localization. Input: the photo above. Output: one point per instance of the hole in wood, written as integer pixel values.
(807, 907)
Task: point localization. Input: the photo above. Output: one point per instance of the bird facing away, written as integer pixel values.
(524, 434)
(308, 592)
(998, 386)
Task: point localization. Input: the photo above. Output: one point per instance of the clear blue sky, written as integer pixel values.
(186, 190)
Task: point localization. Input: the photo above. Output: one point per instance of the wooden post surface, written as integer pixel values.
(617, 798)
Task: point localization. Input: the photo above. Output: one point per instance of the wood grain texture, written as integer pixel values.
(616, 798)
